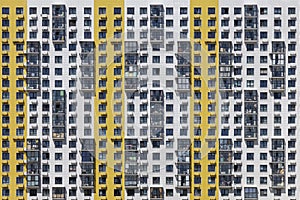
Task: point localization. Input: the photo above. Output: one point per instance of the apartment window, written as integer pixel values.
(197, 10)
(5, 11)
(291, 47)
(117, 11)
(72, 11)
(130, 23)
(263, 35)
(32, 10)
(291, 180)
(250, 71)
(263, 180)
(130, 11)
(101, 11)
(292, 35)
(277, 34)
(291, 11)
(169, 11)
(277, 11)
(250, 156)
(210, 35)
(250, 168)
(87, 11)
(291, 22)
(87, 35)
(5, 22)
(277, 22)
(225, 35)
(183, 23)
(237, 11)
(264, 23)
(211, 11)
(224, 11)
(143, 11)
(183, 11)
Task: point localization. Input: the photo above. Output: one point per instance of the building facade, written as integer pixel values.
(258, 95)
(156, 100)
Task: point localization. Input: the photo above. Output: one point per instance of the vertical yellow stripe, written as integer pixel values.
(110, 77)
(12, 101)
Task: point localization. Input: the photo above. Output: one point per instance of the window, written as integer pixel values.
(291, 11)
(211, 11)
(130, 11)
(197, 10)
(5, 22)
(237, 11)
(183, 11)
(143, 11)
(32, 10)
(169, 11)
(264, 23)
(72, 11)
(102, 11)
(277, 11)
(224, 11)
(87, 11)
(117, 11)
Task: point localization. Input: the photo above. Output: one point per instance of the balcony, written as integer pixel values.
(131, 181)
(156, 121)
(225, 157)
(225, 60)
(58, 11)
(87, 86)
(225, 48)
(225, 169)
(132, 83)
(183, 169)
(156, 108)
(278, 158)
(278, 145)
(32, 74)
(183, 181)
(156, 95)
(58, 96)
(33, 145)
(251, 36)
(225, 83)
(131, 145)
(225, 181)
(250, 95)
(33, 61)
(278, 168)
(87, 61)
(33, 158)
(32, 86)
(277, 84)
(58, 136)
(251, 11)
(278, 47)
(278, 182)
(250, 108)
(87, 171)
(156, 11)
(33, 48)
(183, 157)
(58, 120)
(225, 145)
(156, 193)
(250, 135)
(87, 183)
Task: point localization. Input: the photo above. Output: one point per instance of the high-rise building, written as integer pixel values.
(258, 99)
(165, 100)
